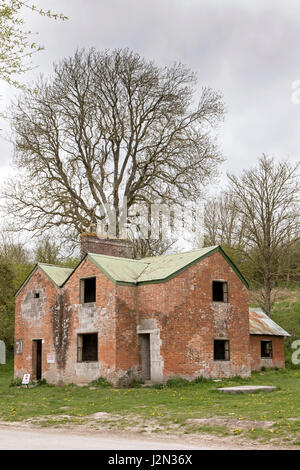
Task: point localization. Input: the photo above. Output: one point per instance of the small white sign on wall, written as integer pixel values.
(51, 358)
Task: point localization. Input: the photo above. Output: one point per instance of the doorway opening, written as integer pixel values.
(145, 355)
(37, 359)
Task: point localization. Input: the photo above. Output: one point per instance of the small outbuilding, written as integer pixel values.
(266, 341)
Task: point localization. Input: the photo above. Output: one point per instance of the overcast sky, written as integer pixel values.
(247, 49)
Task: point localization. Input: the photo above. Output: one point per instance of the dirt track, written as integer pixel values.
(17, 436)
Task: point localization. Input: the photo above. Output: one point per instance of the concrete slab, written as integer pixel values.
(247, 389)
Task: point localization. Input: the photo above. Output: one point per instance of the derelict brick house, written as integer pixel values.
(184, 314)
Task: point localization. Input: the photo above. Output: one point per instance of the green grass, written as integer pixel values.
(168, 408)
(287, 315)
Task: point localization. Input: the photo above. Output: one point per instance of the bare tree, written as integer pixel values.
(222, 223)
(267, 200)
(109, 126)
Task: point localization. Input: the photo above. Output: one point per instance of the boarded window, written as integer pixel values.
(220, 291)
(221, 350)
(266, 349)
(87, 347)
(88, 290)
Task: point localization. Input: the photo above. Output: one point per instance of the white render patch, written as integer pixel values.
(88, 371)
(32, 307)
(247, 389)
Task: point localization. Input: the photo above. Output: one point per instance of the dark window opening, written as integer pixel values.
(220, 291)
(87, 347)
(221, 350)
(266, 349)
(36, 295)
(88, 287)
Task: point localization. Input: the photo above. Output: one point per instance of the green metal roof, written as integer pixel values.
(124, 271)
(57, 274)
(166, 266)
(154, 269)
(119, 270)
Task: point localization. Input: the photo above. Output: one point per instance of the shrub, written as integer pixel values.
(158, 386)
(201, 379)
(177, 382)
(40, 382)
(16, 382)
(101, 382)
(135, 383)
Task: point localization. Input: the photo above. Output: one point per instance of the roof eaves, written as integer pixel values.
(41, 267)
(234, 267)
(26, 280)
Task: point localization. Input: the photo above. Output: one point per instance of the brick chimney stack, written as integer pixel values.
(100, 245)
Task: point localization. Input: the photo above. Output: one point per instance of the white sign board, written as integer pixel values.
(2, 353)
(51, 358)
(26, 379)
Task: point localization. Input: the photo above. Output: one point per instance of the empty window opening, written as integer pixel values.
(36, 295)
(88, 290)
(220, 291)
(221, 350)
(87, 347)
(266, 349)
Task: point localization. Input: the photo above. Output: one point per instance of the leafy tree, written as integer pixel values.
(6, 302)
(110, 126)
(16, 43)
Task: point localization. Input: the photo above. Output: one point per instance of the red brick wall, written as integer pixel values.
(91, 243)
(188, 322)
(257, 362)
(90, 318)
(179, 315)
(33, 320)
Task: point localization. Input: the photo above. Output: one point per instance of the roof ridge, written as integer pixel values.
(183, 252)
(54, 266)
(119, 258)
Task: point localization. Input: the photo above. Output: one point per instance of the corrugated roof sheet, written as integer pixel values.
(261, 324)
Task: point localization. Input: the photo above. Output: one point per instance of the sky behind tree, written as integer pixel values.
(248, 50)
